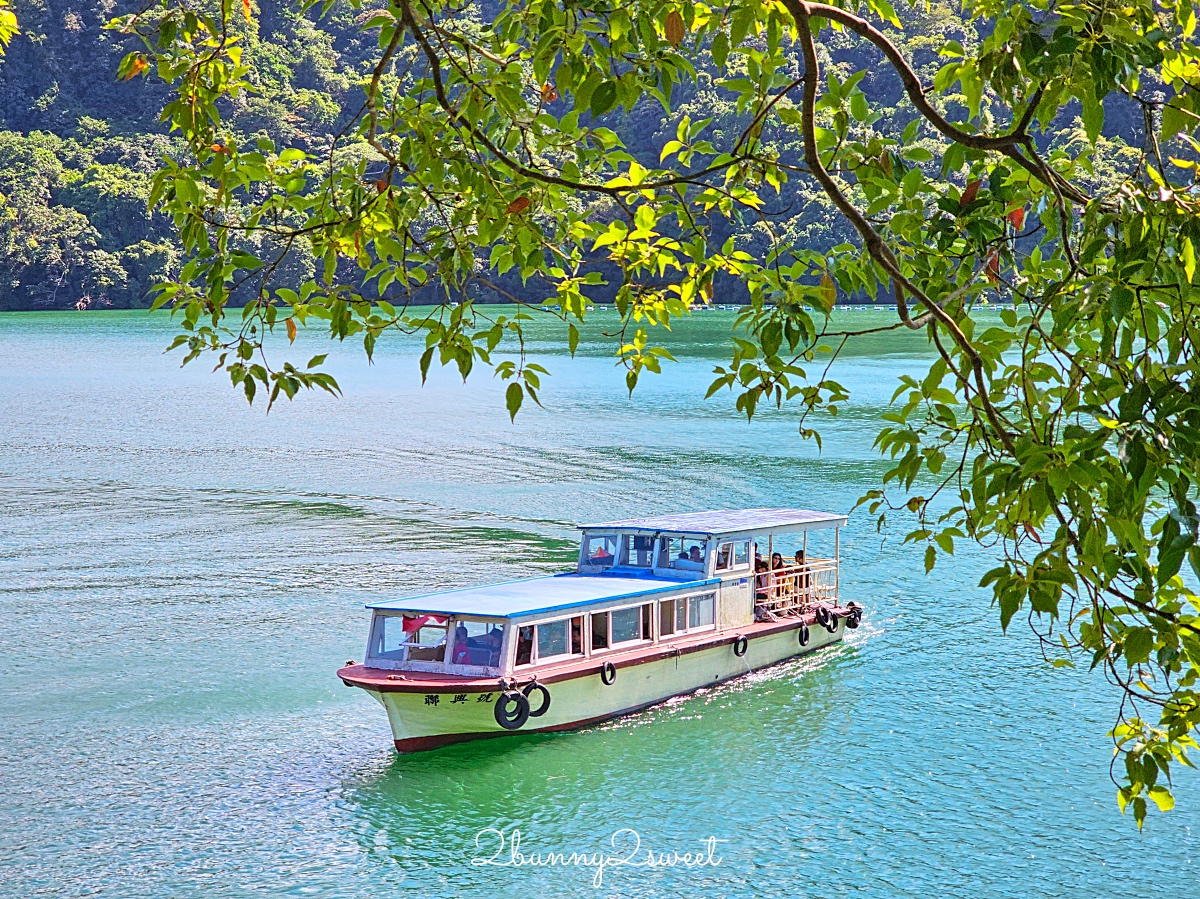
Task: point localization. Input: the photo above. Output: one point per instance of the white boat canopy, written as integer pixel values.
(540, 594)
(714, 524)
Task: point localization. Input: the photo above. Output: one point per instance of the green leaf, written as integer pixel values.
(1138, 641)
(720, 49)
(858, 106)
(1161, 797)
(513, 397)
(1093, 116)
(604, 98)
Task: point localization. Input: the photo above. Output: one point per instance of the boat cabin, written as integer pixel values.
(637, 583)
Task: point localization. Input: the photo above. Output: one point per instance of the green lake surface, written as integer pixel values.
(181, 575)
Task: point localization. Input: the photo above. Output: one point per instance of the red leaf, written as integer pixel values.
(674, 29)
(1016, 218)
(970, 192)
(517, 206)
(246, 9)
(136, 68)
(992, 267)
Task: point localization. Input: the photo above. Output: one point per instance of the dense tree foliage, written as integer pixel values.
(306, 71)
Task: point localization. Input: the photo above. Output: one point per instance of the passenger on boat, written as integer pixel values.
(683, 556)
(462, 651)
(696, 554)
(525, 645)
(760, 579)
(493, 639)
(805, 578)
(776, 560)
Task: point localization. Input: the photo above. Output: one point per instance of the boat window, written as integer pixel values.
(626, 624)
(600, 549)
(700, 611)
(637, 550)
(525, 645)
(551, 639)
(646, 615)
(683, 552)
(733, 555)
(477, 643)
(666, 617)
(600, 630)
(577, 636)
(414, 638)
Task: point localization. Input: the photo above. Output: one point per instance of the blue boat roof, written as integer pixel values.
(535, 595)
(732, 521)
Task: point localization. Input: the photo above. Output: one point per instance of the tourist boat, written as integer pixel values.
(656, 607)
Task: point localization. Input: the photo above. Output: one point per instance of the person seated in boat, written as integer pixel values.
(462, 650)
(801, 562)
(696, 555)
(524, 645)
(491, 640)
(760, 579)
(776, 560)
(683, 556)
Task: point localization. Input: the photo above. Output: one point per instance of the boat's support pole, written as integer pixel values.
(837, 564)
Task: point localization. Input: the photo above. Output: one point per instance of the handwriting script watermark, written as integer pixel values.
(626, 852)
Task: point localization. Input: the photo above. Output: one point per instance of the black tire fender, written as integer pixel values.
(823, 616)
(803, 635)
(545, 703)
(833, 623)
(741, 644)
(608, 674)
(515, 717)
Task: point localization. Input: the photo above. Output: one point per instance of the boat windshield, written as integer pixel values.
(600, 549)
(409, 638)
(637, 550)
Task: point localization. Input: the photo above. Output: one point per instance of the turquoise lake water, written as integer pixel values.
(180, 577)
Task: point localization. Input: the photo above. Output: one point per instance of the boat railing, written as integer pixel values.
(791, 590)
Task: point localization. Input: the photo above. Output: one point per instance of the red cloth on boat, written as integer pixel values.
(415, 624)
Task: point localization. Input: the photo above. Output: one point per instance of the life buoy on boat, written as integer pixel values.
(514, 718)
(545, 705)
(740, 645)
(608, 674)
(803, 635)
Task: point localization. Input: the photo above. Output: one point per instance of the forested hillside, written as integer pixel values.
(78, 147)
